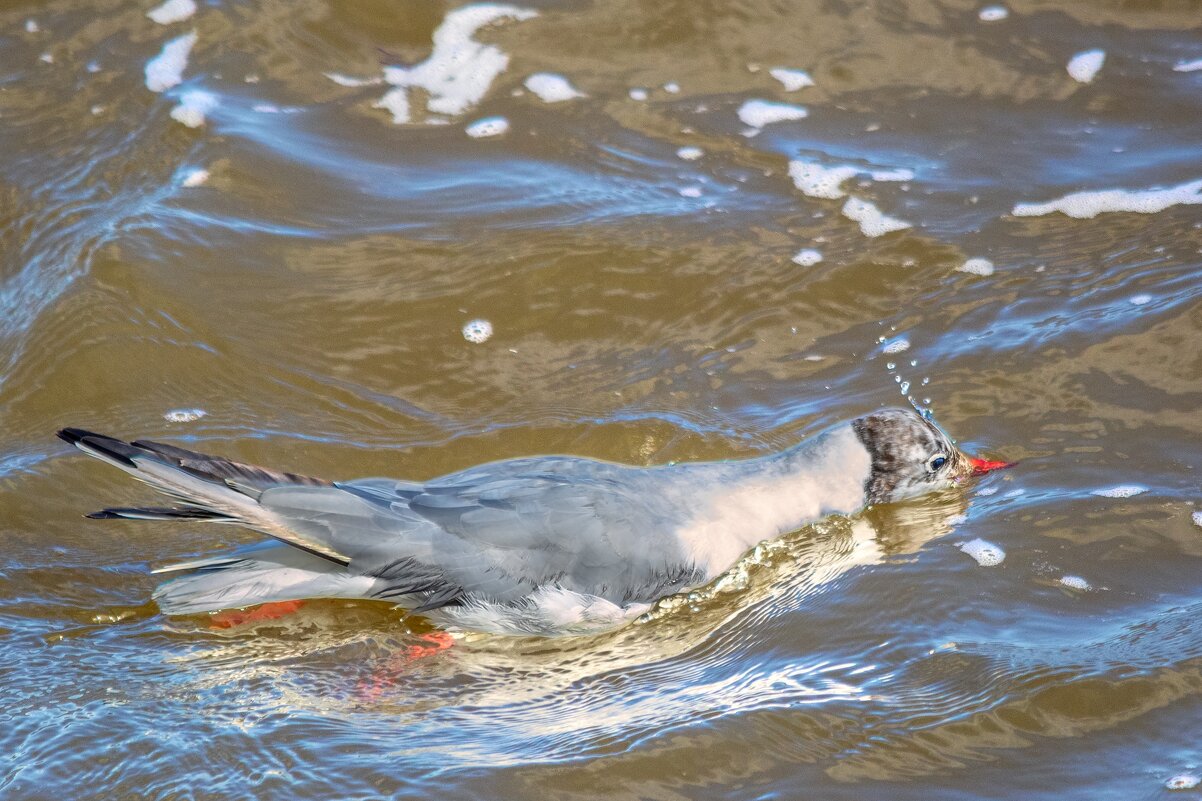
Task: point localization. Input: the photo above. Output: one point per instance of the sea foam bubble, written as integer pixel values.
(758, 113)
(872, 221)
(1084, 66)
(1086, 205)
(172, 11)
(552, 88)
(459, 70)
(791, 79)
(167, 68)
(985, 553)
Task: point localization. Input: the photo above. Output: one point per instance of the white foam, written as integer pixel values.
(31, 26)
(489, 126)
(872, 221)
(1197, 518)
(690, 153)
(167, 68)
(638, 94)
(993, 13)
(807, 257)
(691, 191)
(815, 180)
(1183, 781)
(195, 177)
(193, 107)
(184, 415)
(343, 80)
(758, 113)
(976, 266)
(1188, 66)
(459, 70)
(791, 79)
(1121, 491)
(672, 88)
(985, 491)
(1084, 66)
(477, 331)
(896, 345)
(1086, 205)
(172, 11)
(1140, 300)
(1075, 583)
(46, 58)
(552, 88)
(985, 553)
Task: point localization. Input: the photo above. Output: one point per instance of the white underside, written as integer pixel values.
(548, 611)
(830, 481)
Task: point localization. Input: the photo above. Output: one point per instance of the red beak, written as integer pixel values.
(982, 466)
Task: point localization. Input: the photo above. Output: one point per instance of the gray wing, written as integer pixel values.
(500, 531)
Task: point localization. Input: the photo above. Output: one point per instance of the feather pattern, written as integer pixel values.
(537, 545)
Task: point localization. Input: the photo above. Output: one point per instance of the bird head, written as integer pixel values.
(912, 456)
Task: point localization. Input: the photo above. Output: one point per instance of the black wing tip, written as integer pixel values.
(158, 513)
(74, 435)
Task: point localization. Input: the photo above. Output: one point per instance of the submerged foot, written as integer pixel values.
(268, 611)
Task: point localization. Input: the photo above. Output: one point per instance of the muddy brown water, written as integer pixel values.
(308, 290)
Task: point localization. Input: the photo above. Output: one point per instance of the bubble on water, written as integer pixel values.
(926, 379)
(172, 11)
(486, 127)
(195, 177)
(459, 70)
(905, 387)
(672, 88)
(791, 79)
(638, 94)
(31, 26)
(690, 153)
(336, 77)
(1183, 781)
(1140, 300)
(691, 191)
(552, 88)
(1087, 205)
(1075, 583)
(1121, 491)
(807, 257)
(758, 113)
(1197, 518)
(890, 365)
(93, 67)
(193, 107)
(873, 222)
(897, 345)
(985, 553)
(976, 266)
(993, 13)
(184, 415)
(477, 331)
(167, 68)
(1084, 66)
(816, 180)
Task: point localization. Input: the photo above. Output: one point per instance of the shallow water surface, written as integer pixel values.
(274, 257)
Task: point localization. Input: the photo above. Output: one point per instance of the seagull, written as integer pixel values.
(542, 546)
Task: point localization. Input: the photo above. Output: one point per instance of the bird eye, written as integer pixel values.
(937, 461)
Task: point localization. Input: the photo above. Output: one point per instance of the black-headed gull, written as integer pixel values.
(543, 545)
